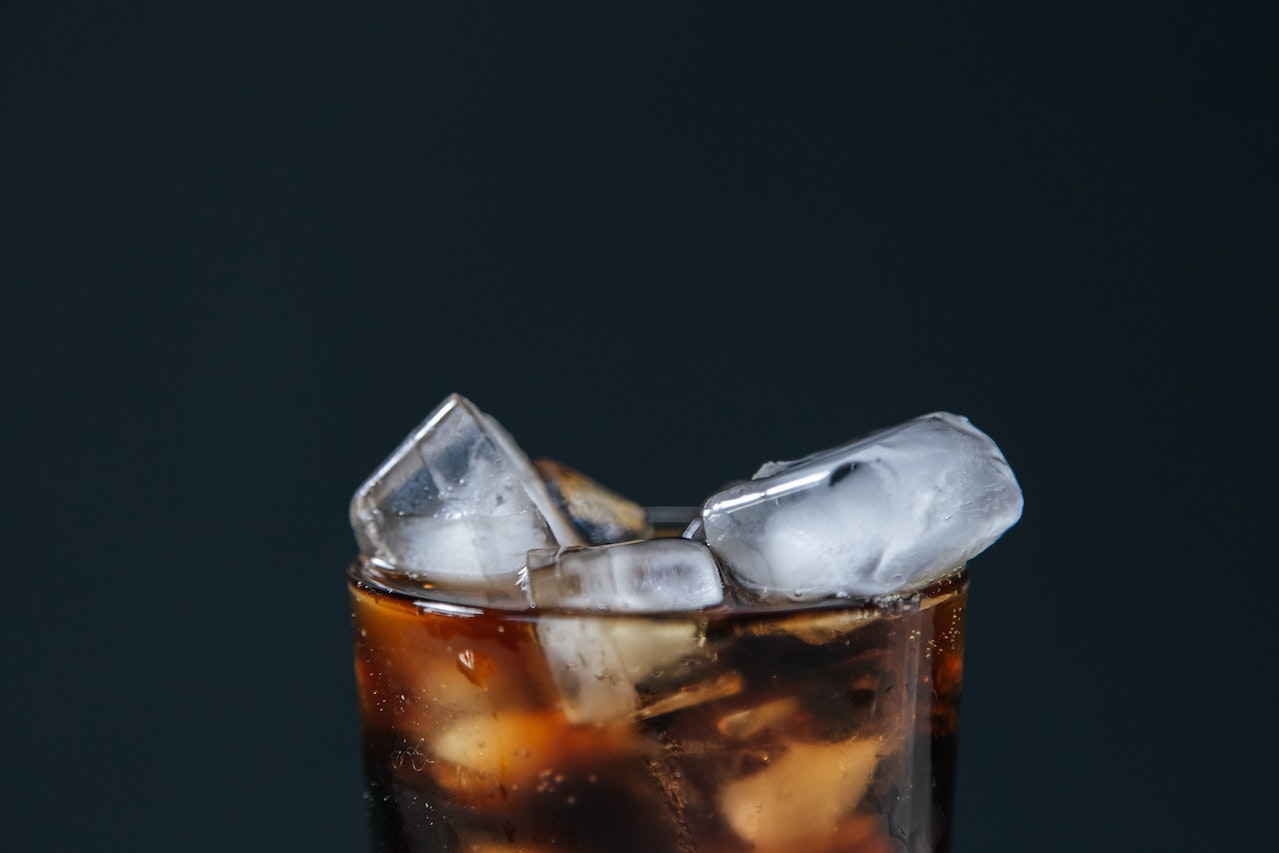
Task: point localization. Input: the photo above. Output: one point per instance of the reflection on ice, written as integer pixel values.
(457, 502)
(884, 514)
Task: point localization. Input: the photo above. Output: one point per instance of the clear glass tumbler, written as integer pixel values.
(827, 729)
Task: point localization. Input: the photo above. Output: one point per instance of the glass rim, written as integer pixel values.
(377, 579)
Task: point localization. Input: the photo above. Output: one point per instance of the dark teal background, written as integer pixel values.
(246, 247)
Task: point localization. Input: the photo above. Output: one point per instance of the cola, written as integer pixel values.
(826, 727)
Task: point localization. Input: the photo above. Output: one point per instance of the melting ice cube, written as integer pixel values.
(599, 663)
(803, 793)
(889, 512)
(458, 502)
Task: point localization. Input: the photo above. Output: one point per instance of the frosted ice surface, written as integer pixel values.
(651, 576)
(890, 512)
(599, 514)
(458, 502)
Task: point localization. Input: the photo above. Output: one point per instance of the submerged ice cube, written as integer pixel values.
(458, 502)
(473, 752)
(800, 795)
(650, 576)
(598, 665)
(890, 512)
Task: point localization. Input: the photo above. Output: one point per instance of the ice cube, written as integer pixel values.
(457, 503)
(890, 512)
(598, 663)
(805, 792)
(599, 515)
(651, 576)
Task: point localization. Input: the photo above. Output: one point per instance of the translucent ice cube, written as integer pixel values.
(457, 503)
(886, 513)
(746, 723)
(599, 515)
(803, 793)
(599, 663)
(472, 754)
(651, 576)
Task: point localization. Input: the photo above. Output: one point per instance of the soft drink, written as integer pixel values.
(827, 729)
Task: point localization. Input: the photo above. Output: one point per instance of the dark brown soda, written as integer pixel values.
(824, 730)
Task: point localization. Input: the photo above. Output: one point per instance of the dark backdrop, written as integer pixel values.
(247, 246)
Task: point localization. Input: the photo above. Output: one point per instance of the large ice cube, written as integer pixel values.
(598, 662)
(886, 513)
(457, 503)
